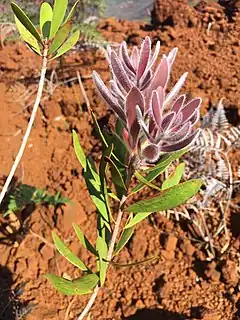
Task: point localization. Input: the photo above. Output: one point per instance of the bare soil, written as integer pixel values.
(182, 284)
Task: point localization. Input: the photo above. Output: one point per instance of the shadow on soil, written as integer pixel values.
(6, 307)
(11, 305)
(156, 314)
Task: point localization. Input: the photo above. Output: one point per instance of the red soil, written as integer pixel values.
(182, 284)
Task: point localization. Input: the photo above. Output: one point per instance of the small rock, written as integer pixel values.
(168, 255)
(73, 212)
(170, 243)
(47, 252)
(211, 273)
(229, 273)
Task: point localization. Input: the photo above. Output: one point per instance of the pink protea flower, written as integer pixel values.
(137, 95)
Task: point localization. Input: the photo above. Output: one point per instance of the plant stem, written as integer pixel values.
(109, 257)
(29, 127)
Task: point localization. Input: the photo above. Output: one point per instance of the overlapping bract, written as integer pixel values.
(154, 122)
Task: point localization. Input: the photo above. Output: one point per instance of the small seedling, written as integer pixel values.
(25, 195)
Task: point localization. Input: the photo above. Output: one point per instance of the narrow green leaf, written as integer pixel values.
(67, 253)
(59, 10)
(79, 286)
(84, 241)
(27, 37)
(116, 175)
(132, 264)
(126, 235)
(137, 218)
(168, 199)
(71, 11)
(174, 178)
(23, 18)
(102, 250)
(86, 283)
(60, 37)
(46, 15)
(104, 138)
(145, 181)
(158, 169)
(71, 41)
(79, 151)
(92, 181)
(61, 285)
(112, 195)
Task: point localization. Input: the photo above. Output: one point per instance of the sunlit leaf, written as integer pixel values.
(45, 19)
(79, 286)
(60, 37)
(158, 169)
(102, 250)
(92, 180)
(86, 283)
(174, 178)
(67, 253)
(84, 241)
(168, 199)
(59, 10)
(79, 151)
(145, 181)
(71, 11)
(136, 219)
(68, 44)
(25, 21)
(27, 37)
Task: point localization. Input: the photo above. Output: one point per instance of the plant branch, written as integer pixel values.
(29, 127)
(109, 257)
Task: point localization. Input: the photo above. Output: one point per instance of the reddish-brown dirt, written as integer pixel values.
(182, 284)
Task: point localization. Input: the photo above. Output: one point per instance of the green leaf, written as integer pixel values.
(71, 11)
(79, 286)
(46, 15)
(92, 181)
(59, 10)
(116, 175)
(126, 235)
(174, 178)
(27, 37)
(71, 41)
(79, 151)
(25, 21)
(168, 199)
(60, 37)
(86, 283)
(67, 253)
(158, 169)
(102, 250)
(84, 241)
(145, 181)
(137, 218)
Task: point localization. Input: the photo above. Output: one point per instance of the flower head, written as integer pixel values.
(154, 121)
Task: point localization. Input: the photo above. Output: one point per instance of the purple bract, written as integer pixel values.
(155, 122)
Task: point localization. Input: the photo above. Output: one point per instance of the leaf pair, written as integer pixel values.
(78, 286)
(54, 35)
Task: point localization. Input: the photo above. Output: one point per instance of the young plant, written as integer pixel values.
(54, 38)
(25, 195)
(153, 128)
